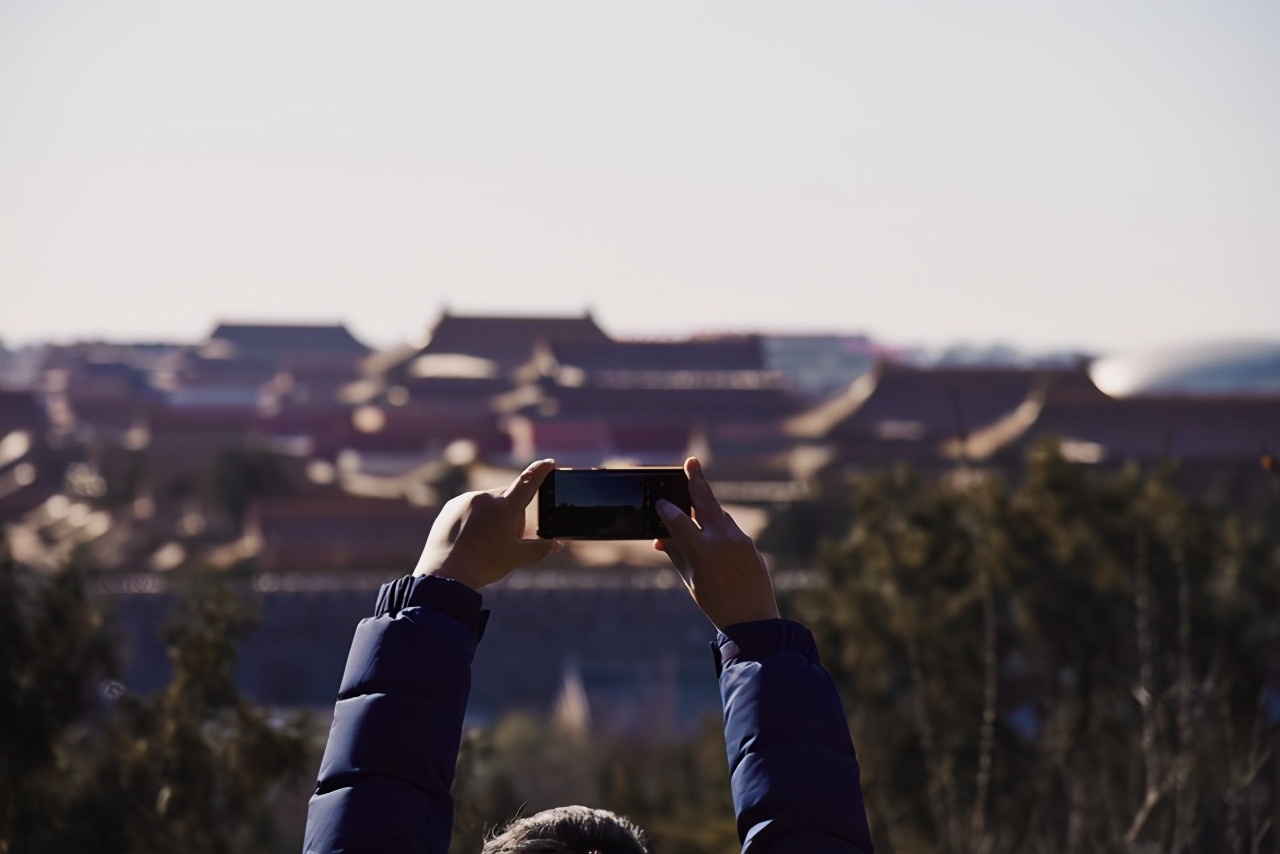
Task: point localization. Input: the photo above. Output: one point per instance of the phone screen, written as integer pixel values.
(609, 504)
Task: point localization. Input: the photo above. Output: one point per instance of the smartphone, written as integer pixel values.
(609, 504)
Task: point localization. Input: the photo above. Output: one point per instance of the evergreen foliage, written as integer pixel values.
(1083, 662)
(85, 766)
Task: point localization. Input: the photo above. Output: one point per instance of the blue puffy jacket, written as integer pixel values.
(387, 769)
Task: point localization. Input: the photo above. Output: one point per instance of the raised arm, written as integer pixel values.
(389, 764)
(793, 770)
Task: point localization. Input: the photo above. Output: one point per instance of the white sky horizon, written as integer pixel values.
(1050, 176)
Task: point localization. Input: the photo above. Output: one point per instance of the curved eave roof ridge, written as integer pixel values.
(983, 394)
(820, 420)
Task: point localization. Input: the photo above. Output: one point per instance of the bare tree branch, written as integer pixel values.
(986, 746)
(1145, 693)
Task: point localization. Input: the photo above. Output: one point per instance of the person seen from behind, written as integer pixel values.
(389, 763)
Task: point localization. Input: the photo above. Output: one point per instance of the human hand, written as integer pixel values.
(720, 565)
(478, 538)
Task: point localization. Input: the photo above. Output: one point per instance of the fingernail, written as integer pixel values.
(665, 508)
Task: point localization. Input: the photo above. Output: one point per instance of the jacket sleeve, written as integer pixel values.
(792, 765)
(389, 763)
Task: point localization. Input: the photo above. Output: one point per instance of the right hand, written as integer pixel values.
(478, 538)
(719, 564)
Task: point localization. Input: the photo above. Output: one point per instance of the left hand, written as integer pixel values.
(478, 538)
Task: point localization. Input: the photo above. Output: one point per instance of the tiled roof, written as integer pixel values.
(726, 354)
(1097, 428)
(106, 379)
(274, 340)
(934, 403)
(1181, 427)
(667, 404)
(510, 341)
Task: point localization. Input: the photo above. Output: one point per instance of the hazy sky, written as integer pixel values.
(1104, 175)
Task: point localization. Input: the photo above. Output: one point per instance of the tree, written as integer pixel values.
(1078, 663)
(53, 649)
(193, 769)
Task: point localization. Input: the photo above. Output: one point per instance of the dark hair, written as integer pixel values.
(570, 830)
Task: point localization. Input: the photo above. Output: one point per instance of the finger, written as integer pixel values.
(677, 557)
(683, 530)
(670, 548)
(700, 494)
(523, 488)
